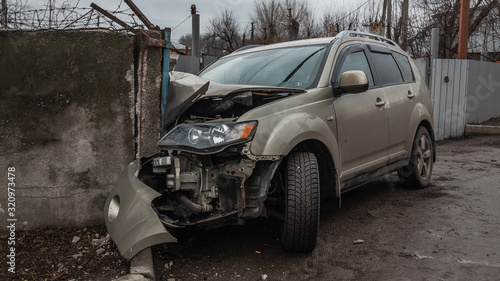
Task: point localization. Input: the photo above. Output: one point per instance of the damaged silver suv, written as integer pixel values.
(272, 131)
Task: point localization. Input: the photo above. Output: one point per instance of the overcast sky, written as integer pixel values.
(171, 13)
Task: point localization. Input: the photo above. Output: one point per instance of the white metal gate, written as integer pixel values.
(449, 89)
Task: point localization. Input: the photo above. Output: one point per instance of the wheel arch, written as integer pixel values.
(327, 169)
(426, 124)
(421, 117)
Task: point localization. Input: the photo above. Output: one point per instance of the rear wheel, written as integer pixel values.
(301, 224)
(417, 174)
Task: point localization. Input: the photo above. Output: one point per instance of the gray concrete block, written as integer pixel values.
(132, 277)
(142, 264)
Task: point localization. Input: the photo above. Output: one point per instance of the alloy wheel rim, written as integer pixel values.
(424, 160)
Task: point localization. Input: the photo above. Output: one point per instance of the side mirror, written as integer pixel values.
(353, 81)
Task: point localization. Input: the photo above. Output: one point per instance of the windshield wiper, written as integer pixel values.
(299, 66)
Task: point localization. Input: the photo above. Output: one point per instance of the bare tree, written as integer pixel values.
(299, 19)
(335, 21)
(269, 21)
(186, 39)
(282, 20)
(404, 24)
(226, 28)
(445, 14)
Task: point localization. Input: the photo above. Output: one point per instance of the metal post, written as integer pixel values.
(141, 16)
(195, 51)
(3, 19)
(434, 53)
(165, 79)
(463, 30)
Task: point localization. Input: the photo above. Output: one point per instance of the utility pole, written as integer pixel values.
(384, 10)
(463, 30)
(195, 51)
(389, 18)
(290, 36)
(404, 25)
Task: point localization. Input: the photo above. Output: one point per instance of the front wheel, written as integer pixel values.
(417, 174)
(301, 224)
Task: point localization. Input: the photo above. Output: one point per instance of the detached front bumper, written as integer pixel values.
(131, 221)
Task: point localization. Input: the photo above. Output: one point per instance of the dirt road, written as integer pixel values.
(448, 231)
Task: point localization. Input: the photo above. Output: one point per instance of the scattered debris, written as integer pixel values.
(55, 254)
(75, 239)
(359, 241)
(264, 277)
(169, 264)
(257, 252)
(100, 242)
(100, 251)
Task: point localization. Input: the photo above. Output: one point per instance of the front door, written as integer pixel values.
(362, 123)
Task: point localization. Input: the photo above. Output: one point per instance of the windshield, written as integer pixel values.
(295, 67)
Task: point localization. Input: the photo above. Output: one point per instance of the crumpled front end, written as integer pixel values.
(131, 221)
(204, 174)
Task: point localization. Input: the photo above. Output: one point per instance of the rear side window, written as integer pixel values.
(404, 64)
(387, 68)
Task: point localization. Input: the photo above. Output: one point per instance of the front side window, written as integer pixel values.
(358, 61)
(295, 67)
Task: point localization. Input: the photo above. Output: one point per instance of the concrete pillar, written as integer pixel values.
(195, 51)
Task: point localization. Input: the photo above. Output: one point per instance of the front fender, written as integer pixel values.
(281, 136)
(130, 219)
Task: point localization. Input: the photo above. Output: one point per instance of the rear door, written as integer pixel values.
(396, 77)
(362, 124)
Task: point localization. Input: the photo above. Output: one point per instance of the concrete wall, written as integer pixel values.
(483, 91)
(69, 120)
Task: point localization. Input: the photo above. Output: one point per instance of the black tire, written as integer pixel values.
(417, 174)
(301, 224)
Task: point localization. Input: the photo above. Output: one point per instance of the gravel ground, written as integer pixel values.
(63, 254)
(448, 231)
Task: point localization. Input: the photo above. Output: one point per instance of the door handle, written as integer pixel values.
(380, 102)
(411, 95)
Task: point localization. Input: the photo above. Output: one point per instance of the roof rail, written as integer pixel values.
(351, 33)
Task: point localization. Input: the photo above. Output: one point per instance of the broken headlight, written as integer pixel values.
(207, 137)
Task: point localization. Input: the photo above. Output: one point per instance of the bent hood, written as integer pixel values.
(185, 89)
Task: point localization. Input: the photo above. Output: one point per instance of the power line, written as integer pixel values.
(355, 10)
(181, 23)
